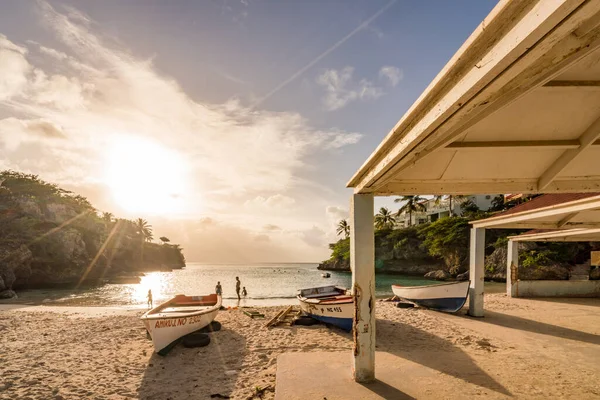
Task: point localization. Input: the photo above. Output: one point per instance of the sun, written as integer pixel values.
(145, 177)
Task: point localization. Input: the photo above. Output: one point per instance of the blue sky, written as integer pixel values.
(193, 85)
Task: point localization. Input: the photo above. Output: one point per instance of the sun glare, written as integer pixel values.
(145, 177)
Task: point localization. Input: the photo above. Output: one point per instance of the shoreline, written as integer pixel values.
(56, 352)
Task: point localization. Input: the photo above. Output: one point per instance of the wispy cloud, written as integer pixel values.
(324, 54)
(109, 93)
(392, 74)
(69, 108)
(341, 89)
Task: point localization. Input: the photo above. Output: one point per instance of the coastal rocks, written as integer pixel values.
(8, 294)
(544, 272)
(14, 265)
(439, 275)
(463, 277)
(335, 265)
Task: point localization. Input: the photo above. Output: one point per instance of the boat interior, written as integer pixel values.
(326, 295)
(186, 304)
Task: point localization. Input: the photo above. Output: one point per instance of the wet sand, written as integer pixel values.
(522, 349)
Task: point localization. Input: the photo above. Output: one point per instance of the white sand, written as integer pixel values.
(525, 348)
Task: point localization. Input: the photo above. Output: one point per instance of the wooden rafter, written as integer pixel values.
(586, 140)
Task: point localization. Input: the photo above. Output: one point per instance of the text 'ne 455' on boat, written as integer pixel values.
(329, 304)
(178, 317)
(448, 297)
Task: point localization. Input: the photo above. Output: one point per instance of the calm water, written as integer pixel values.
(267, 284)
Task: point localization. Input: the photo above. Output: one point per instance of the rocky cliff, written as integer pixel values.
(51, 237)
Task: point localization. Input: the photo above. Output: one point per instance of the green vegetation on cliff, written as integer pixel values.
(51, 236)
(444, 244)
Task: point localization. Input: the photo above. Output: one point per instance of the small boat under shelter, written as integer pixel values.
(329, 304)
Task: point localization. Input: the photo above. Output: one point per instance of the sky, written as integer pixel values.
(232, 126)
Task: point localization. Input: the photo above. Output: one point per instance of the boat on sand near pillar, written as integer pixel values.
(178, 317)
(448, 297)
(329, 304)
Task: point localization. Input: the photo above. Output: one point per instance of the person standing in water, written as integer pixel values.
(219, 289)
(244, 292)
(237, 287)
(149, 298)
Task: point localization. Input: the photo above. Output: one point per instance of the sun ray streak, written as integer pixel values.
(98, 254)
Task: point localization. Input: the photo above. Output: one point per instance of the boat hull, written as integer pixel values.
(328, 310)
(447, 297)
(167, 331)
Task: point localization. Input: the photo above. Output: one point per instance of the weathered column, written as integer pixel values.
(512, 266)
(476, 273)
(362, 262)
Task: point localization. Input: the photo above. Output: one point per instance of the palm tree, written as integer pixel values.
(343, 228)
(412, 204)
(144, 229)
(384, 219)
(107, 217)
(457, 197)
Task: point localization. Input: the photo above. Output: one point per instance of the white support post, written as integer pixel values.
(362, 262)
(512, 267)
(476, 273)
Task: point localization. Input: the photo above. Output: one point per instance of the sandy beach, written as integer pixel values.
(523, 349)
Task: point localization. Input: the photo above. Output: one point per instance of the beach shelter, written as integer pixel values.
(516, 110)
(557, 217)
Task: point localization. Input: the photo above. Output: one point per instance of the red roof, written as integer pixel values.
(546, 200)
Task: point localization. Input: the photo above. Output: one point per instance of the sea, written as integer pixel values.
(266, 284)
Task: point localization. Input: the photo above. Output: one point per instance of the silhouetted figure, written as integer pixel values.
(149, 298)
(219, 289)
(237, 287)
(244, 292)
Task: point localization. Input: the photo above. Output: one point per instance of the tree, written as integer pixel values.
(343, 228)
(144, 229)
(164, 239)
(412, 204)
(384, 219)
(448, 238)
(459, 198)
(107, 217)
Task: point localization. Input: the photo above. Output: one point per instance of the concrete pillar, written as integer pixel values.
(362, 262)
(477, 272)
(512, 267)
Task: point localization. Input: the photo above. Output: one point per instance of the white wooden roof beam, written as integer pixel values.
(586, 140)
(557, 236)
(483, 78)
(457, 187)
(515, 145)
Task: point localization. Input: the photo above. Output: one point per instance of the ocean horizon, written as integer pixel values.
(267, 284)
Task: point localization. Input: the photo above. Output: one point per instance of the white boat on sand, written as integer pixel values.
(448, 297)
(178, 317)
(330, 304)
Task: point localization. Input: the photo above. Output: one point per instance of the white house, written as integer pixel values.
(434, 211)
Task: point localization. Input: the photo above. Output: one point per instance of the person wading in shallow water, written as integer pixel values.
(219, 289)
(237, 287)
(149, 298)
(244, 292)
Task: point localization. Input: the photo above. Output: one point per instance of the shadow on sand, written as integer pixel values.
(190, 373)
(410, 343)
(386, 391)
(523, 324)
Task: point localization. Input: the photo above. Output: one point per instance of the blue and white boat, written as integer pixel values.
(329, 304)
(448, 297)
